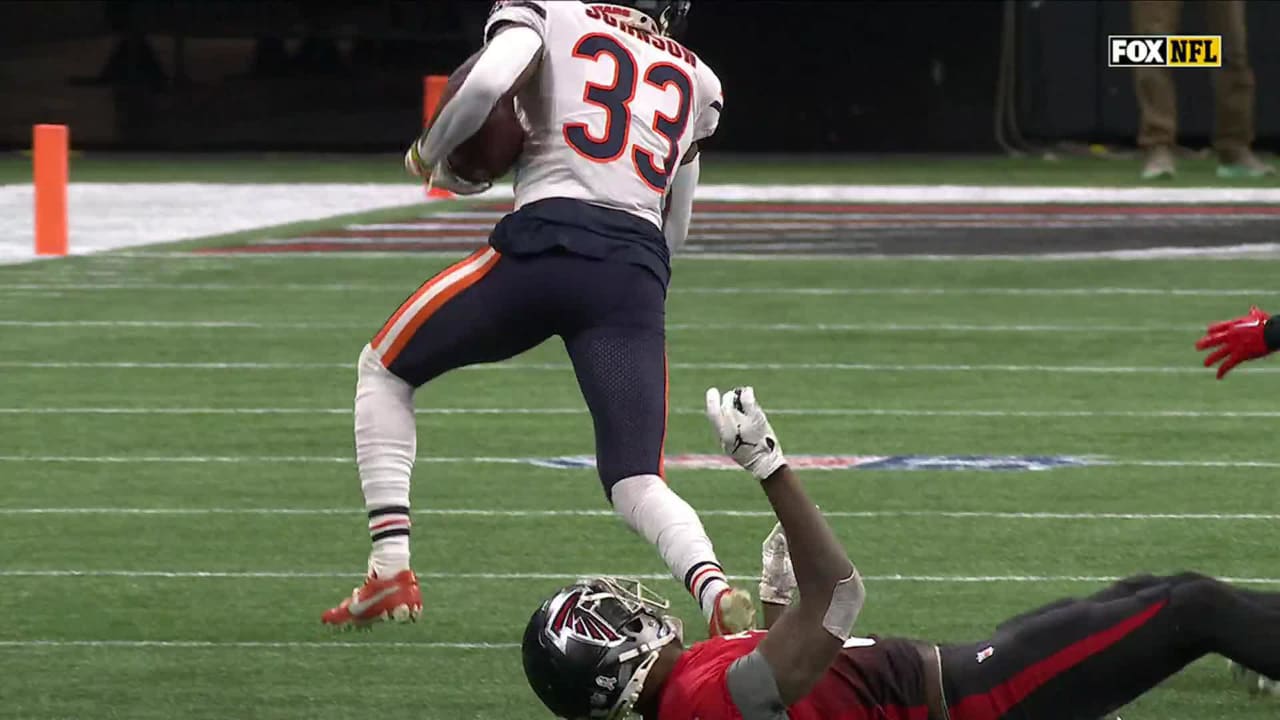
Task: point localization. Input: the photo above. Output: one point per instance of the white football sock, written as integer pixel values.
(386, 444)
(653, 510)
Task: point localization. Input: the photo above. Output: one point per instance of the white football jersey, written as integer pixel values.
(612, 110)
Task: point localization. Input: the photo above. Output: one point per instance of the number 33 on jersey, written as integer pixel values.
(613, 108)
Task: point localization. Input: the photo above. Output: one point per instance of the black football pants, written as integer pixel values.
(1081, 659)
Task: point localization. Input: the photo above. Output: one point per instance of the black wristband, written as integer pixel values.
(1271, 335)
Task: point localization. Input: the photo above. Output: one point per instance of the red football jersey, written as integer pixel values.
(871, 679)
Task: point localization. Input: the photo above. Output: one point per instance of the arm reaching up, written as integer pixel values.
(809, 635)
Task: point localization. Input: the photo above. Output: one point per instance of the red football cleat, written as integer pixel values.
(735, 612)
(397, 599)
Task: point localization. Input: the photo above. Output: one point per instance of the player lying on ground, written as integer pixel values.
(597, 650)
(1244, 338)
(614, 108)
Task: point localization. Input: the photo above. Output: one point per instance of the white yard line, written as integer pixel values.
(483, 460)
(609, 514)
(996, 291)
(995, 194)
(802, 412)
(104, 216)
(169, 324)
(249, 645)
(236, 459)
(238, 257)
(176, 365)
(198, 287)
(536, 367)
(931, 327)
(850, 239)
(1197, 463)
(801, 220)
(503, 577)
(1224, 252)
(116, 215)
(698, 327)
(675, 290)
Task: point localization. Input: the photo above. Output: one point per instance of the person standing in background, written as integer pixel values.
(1233, 86)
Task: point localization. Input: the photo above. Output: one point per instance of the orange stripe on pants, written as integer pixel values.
(457, 286)
(422, 290)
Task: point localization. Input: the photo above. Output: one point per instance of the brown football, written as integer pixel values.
(493, 150)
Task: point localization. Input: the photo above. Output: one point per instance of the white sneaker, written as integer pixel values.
(1159, 164)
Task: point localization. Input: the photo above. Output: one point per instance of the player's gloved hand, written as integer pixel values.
(744, 431)
(443, 177)
(777, 577)
(1236, 340)
(413, 162)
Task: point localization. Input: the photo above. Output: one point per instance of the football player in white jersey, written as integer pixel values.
(613, 107)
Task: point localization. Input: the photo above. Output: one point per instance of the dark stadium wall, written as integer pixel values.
(800, 76)
(852, 76)
(1067, 91)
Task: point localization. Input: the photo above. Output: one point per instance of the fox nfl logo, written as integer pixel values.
(1164, 50)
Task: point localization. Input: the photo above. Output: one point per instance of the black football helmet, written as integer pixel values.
(667, 17)
(588, 649)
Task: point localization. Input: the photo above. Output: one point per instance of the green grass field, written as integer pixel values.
(170, 535)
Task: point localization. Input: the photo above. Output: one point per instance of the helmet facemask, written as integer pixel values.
(643, 619)
(592, 646)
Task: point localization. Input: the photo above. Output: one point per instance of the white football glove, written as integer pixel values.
(744, 431)
(777, 577)
(442, 176)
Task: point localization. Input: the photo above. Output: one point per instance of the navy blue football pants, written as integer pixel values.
(610, 315)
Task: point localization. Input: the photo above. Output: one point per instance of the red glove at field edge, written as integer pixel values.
(1244, 338)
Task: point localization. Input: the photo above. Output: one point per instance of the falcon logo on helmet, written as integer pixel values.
(588, 650)
(573, 621)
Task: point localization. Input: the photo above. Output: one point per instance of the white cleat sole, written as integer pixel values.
(403, 614)
(400, 614)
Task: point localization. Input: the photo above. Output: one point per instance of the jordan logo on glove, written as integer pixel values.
(744, 431)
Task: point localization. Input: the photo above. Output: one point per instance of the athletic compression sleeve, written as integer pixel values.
(754, 689)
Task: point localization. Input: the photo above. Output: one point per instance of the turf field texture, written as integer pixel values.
(170, 532)
(179, 504)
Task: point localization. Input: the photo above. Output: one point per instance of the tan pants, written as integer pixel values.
(1232, 83)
